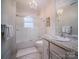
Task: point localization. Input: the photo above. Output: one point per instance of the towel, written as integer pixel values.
(10, 31)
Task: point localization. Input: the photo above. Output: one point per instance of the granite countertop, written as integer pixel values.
(69, 45)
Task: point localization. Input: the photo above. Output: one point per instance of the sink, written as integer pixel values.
(58, 38)
(62, 38)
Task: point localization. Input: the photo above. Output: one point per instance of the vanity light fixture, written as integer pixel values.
(60, 11)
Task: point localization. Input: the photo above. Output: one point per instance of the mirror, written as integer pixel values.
(67, 18)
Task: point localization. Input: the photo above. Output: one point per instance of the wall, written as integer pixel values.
(49, 11)
(8, 12)
(70, 18)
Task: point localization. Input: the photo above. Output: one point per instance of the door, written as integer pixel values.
(26, 31)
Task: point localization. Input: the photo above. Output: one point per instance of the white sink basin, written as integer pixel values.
(58, 38)
(62, 38)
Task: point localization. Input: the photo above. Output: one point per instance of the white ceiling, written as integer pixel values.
(22, 5)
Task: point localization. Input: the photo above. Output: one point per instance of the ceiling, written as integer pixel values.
(22, 6)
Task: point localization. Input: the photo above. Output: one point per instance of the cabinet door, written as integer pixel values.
(54, 56)
(57, 49)
(45, 49)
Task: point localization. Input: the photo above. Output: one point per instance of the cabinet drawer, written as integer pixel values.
(61, 52)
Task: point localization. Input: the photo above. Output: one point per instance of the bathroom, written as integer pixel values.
(39, 29)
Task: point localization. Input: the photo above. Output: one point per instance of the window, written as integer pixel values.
(28, 22)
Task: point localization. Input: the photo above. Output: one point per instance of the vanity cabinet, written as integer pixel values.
(56, 52)
(54, 56)
(45, 49)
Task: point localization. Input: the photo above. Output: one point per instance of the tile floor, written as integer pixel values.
(28, 53)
